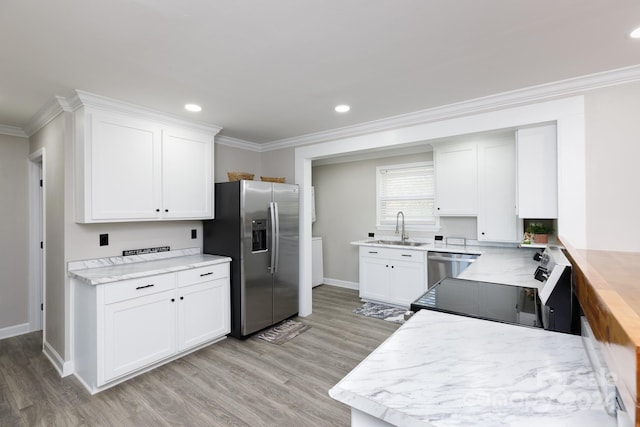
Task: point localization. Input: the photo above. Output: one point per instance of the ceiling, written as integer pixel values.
(271, 70)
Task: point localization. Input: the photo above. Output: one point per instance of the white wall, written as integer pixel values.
(613, 168)
(346, 210)
(14, 215)
(279, 163)
(231, 159)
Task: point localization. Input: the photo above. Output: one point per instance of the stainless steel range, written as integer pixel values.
(552, 305)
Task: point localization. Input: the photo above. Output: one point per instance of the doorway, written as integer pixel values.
(36, 241)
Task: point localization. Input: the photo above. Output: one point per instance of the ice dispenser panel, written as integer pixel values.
(259, 235)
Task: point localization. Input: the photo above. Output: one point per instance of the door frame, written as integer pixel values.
(37, 231)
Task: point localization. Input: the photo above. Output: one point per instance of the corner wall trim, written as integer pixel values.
(12, 131)
(341, 283)
(238, 143)
(64, 368)
(15, 330)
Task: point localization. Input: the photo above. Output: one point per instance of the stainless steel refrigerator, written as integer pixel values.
(256, 224)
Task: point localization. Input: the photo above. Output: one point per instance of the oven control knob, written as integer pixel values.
(541, 274)
(537, 256)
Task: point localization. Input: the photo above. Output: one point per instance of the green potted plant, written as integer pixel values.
(540, 232)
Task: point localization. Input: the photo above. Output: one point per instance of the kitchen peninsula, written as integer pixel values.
(445, 369)
(442, 369)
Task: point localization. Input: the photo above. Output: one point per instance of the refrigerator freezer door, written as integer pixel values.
(285, 285)
(257, 282)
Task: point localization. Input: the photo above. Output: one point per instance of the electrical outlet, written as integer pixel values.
(194, 234)
(371, 234)
(104, 240)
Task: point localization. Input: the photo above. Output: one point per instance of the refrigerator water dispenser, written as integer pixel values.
(259, 235)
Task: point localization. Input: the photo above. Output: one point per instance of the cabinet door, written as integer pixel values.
(537, 172)
(124, 168)
(187, 174)
(456, 179)
(407, 282)
(497, 219)
(374, 278)
(203, 312)
(137, 333)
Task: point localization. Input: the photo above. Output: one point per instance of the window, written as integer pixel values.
(408, 188)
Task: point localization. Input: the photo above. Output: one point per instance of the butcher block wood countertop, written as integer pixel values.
(608, 288)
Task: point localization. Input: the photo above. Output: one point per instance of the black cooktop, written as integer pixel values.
(490, 301)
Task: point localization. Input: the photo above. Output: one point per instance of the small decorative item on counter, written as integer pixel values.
(237, 176)
(540, 232)
(528, 238)
(270, 179)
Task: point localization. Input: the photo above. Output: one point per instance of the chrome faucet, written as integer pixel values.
(404, 236)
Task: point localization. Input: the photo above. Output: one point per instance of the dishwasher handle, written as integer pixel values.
(472, 258)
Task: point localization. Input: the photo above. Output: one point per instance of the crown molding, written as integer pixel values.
(238, 143)
(48, 112)
(82, 98)
(12, 131)
(502, 100)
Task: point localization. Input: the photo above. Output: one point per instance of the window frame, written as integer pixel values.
(412, 227)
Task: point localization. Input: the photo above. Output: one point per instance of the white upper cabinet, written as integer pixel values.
(537, 172)
(456, 179)
(122, 168)
(497, 220)
(187, 174)
(130, 167)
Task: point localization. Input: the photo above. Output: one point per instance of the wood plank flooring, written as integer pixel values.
(231, 383)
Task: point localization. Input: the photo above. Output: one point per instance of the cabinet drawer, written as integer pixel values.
(203, 274)
(134, 288)
(392, 254)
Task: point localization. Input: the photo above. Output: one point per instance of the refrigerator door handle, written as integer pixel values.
(276, 238)
(273, 219)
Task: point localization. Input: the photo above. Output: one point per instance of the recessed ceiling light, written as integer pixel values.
(635, 34)
(193, 108)
(343, 108)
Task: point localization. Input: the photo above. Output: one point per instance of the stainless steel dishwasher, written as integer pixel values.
(446, 264)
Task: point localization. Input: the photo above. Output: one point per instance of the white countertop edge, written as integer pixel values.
(472, 247)
(109, 274)
(375, 409)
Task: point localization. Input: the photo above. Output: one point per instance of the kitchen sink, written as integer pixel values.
(396, 243)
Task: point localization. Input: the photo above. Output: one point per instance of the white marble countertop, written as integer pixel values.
(446, 370)
(106, 270)
(509, 265)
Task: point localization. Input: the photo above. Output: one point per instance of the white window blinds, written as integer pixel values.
(408, 188)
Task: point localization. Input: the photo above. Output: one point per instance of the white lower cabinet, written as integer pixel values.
(203, 313)
(124, 328)
(374, 277)
(138, 332)
(394, 276)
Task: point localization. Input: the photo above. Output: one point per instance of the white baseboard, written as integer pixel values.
(63, 368)
(341, 283)
(12, 331)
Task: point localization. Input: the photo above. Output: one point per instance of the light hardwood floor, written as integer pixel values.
(231, 383)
